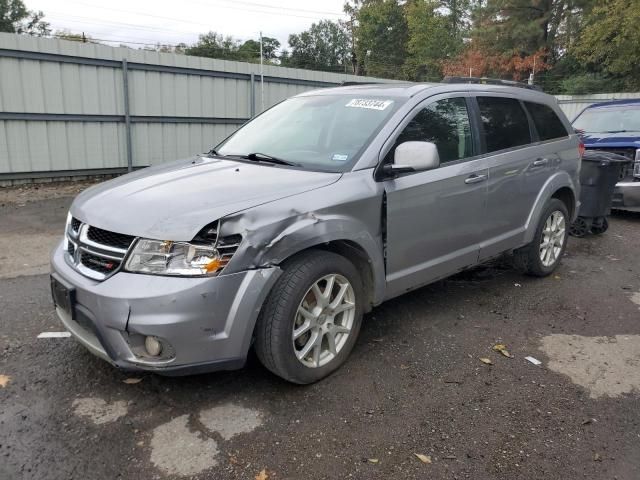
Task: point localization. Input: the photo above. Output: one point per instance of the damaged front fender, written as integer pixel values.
(341, 212)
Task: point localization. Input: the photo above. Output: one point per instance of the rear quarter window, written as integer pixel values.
(505, 123)
(547, 123)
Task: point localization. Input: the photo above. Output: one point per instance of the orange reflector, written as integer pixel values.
(213, 265)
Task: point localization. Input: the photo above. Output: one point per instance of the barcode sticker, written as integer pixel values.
(372, 104)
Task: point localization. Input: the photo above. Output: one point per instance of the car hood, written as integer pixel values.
(612, 140)
(175, 201)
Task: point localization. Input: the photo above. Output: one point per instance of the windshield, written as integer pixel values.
(609, 120)
(324, 132)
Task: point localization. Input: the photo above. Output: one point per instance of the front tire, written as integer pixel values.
(311, 319)
(542, 256)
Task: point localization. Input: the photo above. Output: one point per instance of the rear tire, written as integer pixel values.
(306, 330)
(542, 256)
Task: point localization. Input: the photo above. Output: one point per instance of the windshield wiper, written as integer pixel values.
(263, 157)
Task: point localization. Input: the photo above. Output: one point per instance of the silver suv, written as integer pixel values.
(306, 218)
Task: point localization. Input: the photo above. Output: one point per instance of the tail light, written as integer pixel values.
(581, 149)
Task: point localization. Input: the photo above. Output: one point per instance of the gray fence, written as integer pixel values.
(68, 108)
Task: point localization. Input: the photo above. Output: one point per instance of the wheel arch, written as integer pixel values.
(558, 186)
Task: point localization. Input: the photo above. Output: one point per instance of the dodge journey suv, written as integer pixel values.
(307, 217)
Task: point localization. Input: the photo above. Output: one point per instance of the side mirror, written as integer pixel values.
(414, 157)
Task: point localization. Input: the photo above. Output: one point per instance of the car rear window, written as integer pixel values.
(547, 123)
(505, 123)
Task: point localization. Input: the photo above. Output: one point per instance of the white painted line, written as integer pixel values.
(54, 335)
(535, 361)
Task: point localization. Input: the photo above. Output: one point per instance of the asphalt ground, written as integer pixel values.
(414, 384)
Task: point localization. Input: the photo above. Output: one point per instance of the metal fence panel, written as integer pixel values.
(63, 106)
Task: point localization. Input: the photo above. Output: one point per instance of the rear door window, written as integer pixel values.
(444, 123)
(505, 123)
(547, 123)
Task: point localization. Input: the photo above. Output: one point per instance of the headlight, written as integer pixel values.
(174, 258)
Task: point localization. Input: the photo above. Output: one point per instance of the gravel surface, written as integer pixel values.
(413, 385)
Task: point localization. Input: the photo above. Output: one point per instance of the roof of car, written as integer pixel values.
(407, 90)
(616, 103)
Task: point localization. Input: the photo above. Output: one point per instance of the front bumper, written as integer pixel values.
(207, 321)
(626, 196)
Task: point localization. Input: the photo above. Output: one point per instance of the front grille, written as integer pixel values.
(98, 263)
(110, 239)
(75, 224)
(94, 252)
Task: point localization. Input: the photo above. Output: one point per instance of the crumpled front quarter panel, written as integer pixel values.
(350, 209)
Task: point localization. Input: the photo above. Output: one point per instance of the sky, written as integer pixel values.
(137, 22)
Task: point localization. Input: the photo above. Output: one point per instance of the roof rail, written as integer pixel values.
(490, 81)
(349, 83)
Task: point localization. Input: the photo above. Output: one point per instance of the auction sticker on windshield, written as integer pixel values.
(369, 103)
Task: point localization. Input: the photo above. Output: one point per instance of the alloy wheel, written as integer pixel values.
(553, 238)
(324, 320)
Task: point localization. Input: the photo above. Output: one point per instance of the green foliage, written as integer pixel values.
(381, 36)
(433, 38)
(215, 45)
(610, 41)
(325, 46)
(15, 18)
(587, 83)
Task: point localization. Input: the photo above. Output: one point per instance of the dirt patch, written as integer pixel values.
(34, 193)
(98, 410)
(606, 366)
(26, 254)
(230, 420)
(178, 450)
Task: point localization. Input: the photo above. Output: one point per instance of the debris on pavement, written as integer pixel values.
(597, 457)
(517, 285)
(262, 475)
(502, 349)
(54, 335)
(533, 360)
(486, 361)
(4, 380)
(132, 380)
(373, 460)
(423, 458)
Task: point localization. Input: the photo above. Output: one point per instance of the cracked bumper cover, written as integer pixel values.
(208, 321)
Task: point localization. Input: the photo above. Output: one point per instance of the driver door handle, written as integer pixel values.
(540, 162)
(475, 178)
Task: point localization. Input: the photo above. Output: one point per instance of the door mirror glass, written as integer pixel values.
(416, 156)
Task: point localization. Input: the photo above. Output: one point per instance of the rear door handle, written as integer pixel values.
(475, 179)
(541, 162)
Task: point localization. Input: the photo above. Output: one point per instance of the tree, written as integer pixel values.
(610, 41)
(74, 37)
(15, 18)
(250, 50)
(433, 39)
(380, 36)
(215, 45)
(325, 46)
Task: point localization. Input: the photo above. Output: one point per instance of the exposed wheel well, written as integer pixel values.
(566, 196)
(357, 255)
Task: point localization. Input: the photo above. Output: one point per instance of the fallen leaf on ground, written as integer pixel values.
(486, 361)
(423, 458)
(4, 380)
(502, 349)
(373, 460)
(262, 475)
(131, 381)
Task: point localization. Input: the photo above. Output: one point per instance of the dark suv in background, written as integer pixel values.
(615, 127)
